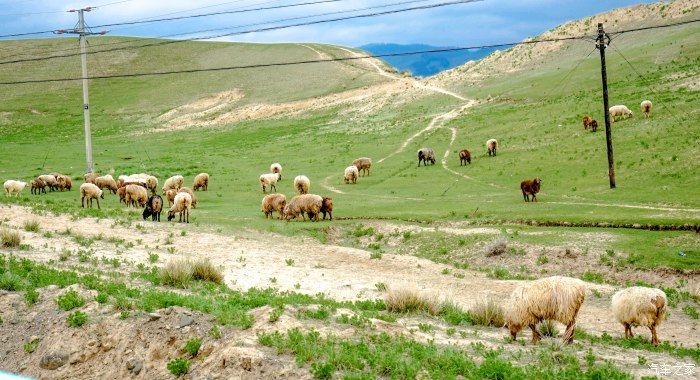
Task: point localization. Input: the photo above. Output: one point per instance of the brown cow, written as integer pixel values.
(530, 187)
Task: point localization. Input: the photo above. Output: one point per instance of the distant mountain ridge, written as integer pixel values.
(425, 64)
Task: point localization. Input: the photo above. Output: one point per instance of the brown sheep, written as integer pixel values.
(594, 125)
(530, 187)
(90, 177)
(492, 146)
(363, 164)
(465, 157)
(64, 182)
(153, 208)
(136, 195)
(327, 207)
(38, 186)
(106, 182)
(121, 193)
(586, 121)
(170, 194)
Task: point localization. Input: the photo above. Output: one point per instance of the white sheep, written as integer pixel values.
(175, 182)
(309, 204)
(276, 168)
(191, 193)
(269, 180)
(351, 174)
(182, 205)
(90, 191)
(13, 187)
(201, 181)
(50, 181)
(302, 184)
(619, 110)
(555, 298)
(492, 146)
(646, 108)
(273, 202)
(106, 181)
(639, 306)
(150, 181)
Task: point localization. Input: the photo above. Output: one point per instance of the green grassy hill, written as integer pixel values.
(535, 114)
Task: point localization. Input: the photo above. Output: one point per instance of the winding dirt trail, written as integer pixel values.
(253, 259)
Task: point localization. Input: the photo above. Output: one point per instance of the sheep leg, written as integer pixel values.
(98, 203)
(534, 197)
(535, 334)
(628, 331)
(525, 197)
(654, 338)
(569, 334)
(272, 186)
(187, 215)
(82, 202)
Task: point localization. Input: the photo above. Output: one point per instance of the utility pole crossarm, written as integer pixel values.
(602, 42)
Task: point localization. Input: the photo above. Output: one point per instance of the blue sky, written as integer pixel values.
(484, 22)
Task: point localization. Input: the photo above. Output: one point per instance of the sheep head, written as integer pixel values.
(514, 328)
(171, 215)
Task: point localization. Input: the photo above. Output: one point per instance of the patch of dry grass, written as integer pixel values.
(496, 247)
(406, 300)
(9, 239)
(204, 270)
(487, 312)
(180, 273)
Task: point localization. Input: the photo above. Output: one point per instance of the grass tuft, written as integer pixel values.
(10, 239)
(487, 312)
(31, 225)
(407, 300)
(496, 247)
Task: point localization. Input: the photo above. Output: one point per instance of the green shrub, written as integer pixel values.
(31, 296)
(192, 346)
(179, 366)
(10, 282)
(31, 226)
(70, 300)
(322, 370)
(77, 319)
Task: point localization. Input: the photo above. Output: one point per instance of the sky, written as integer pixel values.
(478, 23)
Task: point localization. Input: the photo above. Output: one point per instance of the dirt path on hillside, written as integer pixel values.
(259, 260)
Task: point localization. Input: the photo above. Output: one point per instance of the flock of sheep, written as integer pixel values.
(132, 191)
(559, 299)
(303, 205)
(617, 111)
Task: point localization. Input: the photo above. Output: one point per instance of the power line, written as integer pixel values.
(141, 39)
(654, 27)
(162, 43)
(218, 13)
(263, 65)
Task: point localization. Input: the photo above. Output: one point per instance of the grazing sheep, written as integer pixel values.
(201, 181)
(136, 194)
(351, 174)
(14, 187)
(121, 193)
(106, 182)
(646, 108)
(425, 155)
(586, 121)
(170, 195)
(594, 125)
(465, 157)
(50, 181)
(273, 202)
(619, 110)
(555, 298)
(37, 186)
(269, 180)
(90, 177)
(492, 146)
(64, 182)
(191, 193)
(276, 168)
(148, 180)
(327, 207)
(530, 187)
(640, 306)
(175, 182)
(90, 191)
(363, 164)
(153, 208)
(303, 204)
(182, 204)
(302, 184)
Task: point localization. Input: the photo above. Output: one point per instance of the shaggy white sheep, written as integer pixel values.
(273, 202)
(191, 193)
(555, 298)
(181, 205)
(201, 181)
(276, 168)
(13, 187)
(302, 184)
(492, 146)
(175, 182)
(90, 191)
(269, 180)
(646, 108)
(351, 174)
(619, 110)
(309, 204)
(639, 306)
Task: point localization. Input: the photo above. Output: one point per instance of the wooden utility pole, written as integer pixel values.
(601, 43)
(82, 33)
